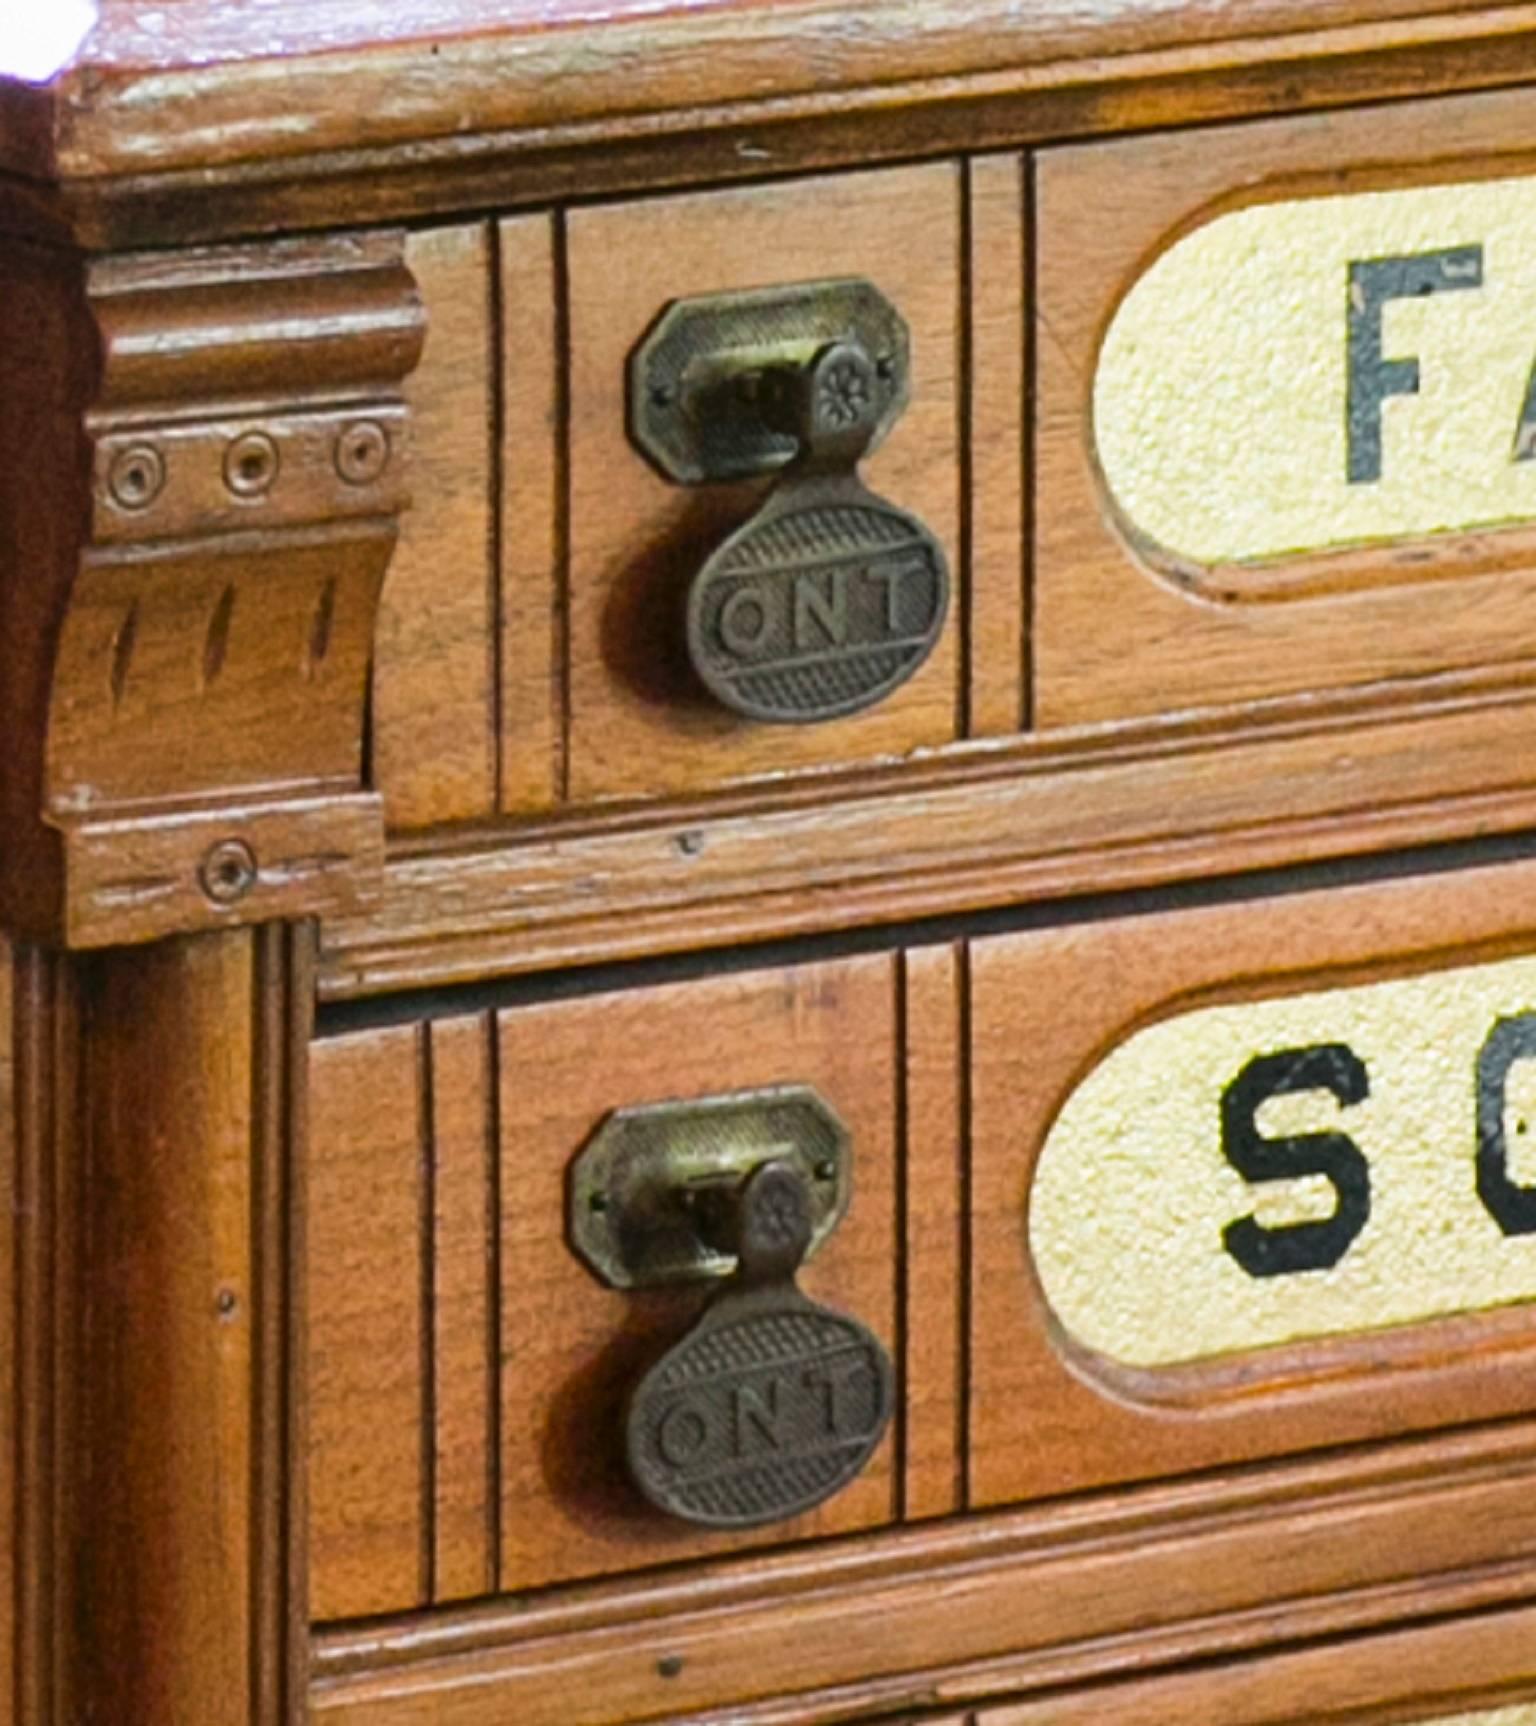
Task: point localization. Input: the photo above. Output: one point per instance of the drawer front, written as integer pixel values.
(1135, 1196)
(469, 1373)
(641, 721)
(1116, 697)
(1285, 410)
(1250, 1179)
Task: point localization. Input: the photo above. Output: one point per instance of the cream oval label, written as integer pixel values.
(1244, 1175)
(1522, 1714)
(1304, 376)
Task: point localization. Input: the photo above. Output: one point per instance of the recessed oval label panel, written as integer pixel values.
(1299, 377)
(1522, 1714)
(1257, 1173)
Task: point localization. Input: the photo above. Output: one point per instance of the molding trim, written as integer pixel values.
(990, 1606)
(1081, 810)
(201, 518)
(290, 113)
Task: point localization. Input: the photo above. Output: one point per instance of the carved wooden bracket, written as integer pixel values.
(202, 466)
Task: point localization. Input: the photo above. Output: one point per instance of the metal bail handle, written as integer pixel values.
(828, 598)
(772, 1402)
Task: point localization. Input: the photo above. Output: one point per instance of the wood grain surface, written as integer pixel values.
(1047, 1005)
(186, 648)
(352, 80)
(1433, 1540)
(433, 716)
(160, 1492)
(1082, 812)
(533, 529)
(996, 473)
(1103, 212)
(394, 1497)
(465, 1303)
(171, 1313)
(935, 1086)
(426, 1488)
(369, 1535)
(404, 1265)
(640, 723)
(477, 704)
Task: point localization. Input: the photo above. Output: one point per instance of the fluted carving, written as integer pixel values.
(198, 527)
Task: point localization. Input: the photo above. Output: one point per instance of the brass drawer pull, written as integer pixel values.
(828, 598)
(771, 1402)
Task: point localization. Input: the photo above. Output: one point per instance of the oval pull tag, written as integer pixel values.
(766, 1408)
(822, 604)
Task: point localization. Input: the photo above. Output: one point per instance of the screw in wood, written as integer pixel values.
(137, 476)
(228, 872)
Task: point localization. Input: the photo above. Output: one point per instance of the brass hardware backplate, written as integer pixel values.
(629, 1191)
(693, 406)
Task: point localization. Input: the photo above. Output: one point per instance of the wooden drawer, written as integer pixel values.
(469, 1373)
(1217, 1503)
(1138, 1195)
(1282, 439)
(560, 674)
(1250, 1178)
(640, 721)
(1104, 708)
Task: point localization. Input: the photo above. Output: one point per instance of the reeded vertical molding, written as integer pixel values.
(160, 1499)
(44, 1026)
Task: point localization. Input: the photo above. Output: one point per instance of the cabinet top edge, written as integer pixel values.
(204, 87)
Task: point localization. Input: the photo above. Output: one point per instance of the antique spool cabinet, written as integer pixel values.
(769, 863)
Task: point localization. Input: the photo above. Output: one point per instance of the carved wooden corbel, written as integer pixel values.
(202, 466)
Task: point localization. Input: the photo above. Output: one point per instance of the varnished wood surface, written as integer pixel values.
(160, 1498)
(935, 1082)
(640, 723)
(425, 1298)
(434, 684)
(367, 1285)
(972, 1054)
(533, 528)
(1047, 817)
(210, 681)
(193, 570)
(1068, 996)
(1103, 212)
(997, 376)
(515, 63)
(495, 117)
(530, 651)
(1031, 1602)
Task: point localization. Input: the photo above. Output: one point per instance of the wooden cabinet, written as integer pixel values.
(466, 1069)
